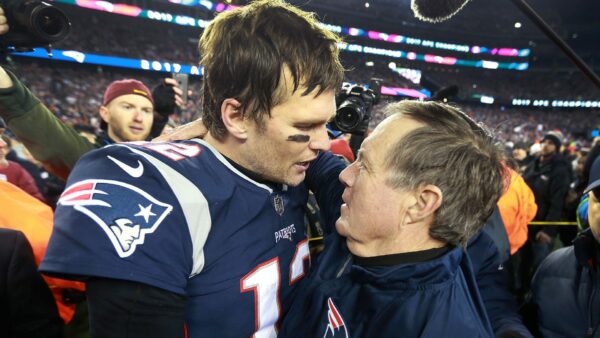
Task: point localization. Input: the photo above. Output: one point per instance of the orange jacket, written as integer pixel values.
(22, 212)
(517, 208)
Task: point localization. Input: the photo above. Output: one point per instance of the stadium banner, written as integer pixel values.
(114, 61)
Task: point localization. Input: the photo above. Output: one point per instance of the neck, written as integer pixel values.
(112, 136)
(547, 157)
(3, 163)
(228, 147)
(413, 238)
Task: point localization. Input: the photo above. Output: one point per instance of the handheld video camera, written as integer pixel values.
(354, 104)
(33, 23)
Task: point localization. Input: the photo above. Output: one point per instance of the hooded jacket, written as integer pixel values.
(566, 290)
(429, 298)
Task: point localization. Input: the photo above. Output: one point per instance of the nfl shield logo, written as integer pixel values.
(278, 202)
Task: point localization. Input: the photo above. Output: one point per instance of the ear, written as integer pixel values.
(104, 114)
(427, 200)
(233, 119)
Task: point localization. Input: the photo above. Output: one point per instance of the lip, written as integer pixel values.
(345, 197)
(303, 165)
(136, 129)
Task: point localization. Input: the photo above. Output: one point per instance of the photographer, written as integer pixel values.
(130, 112)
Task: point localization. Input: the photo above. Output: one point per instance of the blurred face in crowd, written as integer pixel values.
(282, 147)
(373, 212)
(548, 148)
(519, 154)
(129, 118)
(594, 212)
(580, 165)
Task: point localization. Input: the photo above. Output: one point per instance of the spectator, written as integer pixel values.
(548, 177)
(517, 208)
(14, 173)
(519, 153)
(49, 185)
(27, 309)
(34, 219)
(566, 283)
(127, 113)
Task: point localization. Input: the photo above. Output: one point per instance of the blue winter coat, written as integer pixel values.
(435, 298)
(566, 290)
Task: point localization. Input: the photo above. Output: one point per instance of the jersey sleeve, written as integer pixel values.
(323, 180)
(119, 218)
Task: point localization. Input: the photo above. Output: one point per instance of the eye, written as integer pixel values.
(306, 127)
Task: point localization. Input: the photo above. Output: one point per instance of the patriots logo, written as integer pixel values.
(335, 326)
(126, 213)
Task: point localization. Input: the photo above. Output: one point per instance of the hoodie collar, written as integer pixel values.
(586, 249)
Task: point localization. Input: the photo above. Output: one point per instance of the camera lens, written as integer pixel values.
(49, 23)
(350, 114)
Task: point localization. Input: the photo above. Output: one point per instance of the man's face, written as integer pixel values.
(373, 212)
(594, 213)
(519, 154)
(290, 139)
(580, 166)
(129, 118)
(548, 148)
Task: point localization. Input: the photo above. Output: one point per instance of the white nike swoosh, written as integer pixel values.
(133, 172)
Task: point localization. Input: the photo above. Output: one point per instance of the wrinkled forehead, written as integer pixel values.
(388, 133)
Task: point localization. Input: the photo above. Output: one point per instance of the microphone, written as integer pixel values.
(436, 10)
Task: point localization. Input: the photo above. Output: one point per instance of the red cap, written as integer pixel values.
(341, 147)
(125, 87)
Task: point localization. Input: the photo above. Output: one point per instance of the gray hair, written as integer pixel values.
(455, 154)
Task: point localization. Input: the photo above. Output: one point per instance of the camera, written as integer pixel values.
(354, 104)
(33, 23)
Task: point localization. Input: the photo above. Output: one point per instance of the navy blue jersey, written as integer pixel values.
(180, 217)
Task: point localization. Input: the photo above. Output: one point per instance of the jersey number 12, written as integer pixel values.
(265, 281)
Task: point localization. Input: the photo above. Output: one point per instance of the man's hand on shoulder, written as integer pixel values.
(194, 129)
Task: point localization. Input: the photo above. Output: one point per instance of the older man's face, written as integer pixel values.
(373, 212)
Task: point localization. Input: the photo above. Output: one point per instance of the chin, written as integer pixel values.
(294, 180)
(340, 227)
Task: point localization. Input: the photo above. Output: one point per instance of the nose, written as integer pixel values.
(320, 141)
(138, 116)
(348, 175)
(2, 143)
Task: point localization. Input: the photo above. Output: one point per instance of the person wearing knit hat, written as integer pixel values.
(127, 111)
(58, 146)
(555, 137)
(549, 177)
(565, 286)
